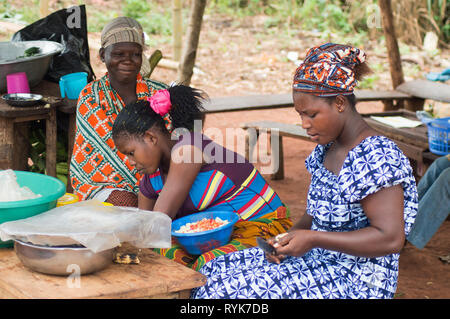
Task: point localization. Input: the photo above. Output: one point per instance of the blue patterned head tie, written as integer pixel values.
(328, 70)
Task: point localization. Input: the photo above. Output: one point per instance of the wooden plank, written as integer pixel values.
(248, 102)
(155, 276)
(426, 90)
(284, 129)
(371, 95)
(269, 101)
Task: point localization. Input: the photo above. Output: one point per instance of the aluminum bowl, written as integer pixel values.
(62, 261)
(22, 99)
(34, 66)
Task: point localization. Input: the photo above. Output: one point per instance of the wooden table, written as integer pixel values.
(14, 144)
(412, 141)
(154, 277)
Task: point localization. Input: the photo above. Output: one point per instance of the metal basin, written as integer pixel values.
(62, 261)
(34, 66)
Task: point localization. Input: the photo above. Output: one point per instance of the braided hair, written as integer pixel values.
(136, 118)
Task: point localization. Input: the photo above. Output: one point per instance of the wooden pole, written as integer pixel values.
(43, 8)
(177, 33)
(187, 62)
(395, 62)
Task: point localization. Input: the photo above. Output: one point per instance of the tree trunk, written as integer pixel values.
(395, 62)
(187, 62)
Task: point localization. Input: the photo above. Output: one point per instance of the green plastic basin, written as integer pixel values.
(50, 189)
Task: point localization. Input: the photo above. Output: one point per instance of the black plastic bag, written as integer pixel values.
(68, 27)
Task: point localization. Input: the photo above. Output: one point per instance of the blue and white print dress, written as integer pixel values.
(334, 204)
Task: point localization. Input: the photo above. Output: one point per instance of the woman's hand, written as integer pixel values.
(294, 243)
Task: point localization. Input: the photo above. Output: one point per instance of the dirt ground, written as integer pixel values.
(243, 59)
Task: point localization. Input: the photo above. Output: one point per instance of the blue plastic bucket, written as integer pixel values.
(201, 242)
(439, 136)
(71, 84)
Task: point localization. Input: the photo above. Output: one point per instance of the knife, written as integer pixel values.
(265, 246)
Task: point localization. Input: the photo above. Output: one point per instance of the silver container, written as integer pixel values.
(62, 260)
(35, 66)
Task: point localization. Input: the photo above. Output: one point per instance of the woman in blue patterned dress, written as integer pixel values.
(362, 201)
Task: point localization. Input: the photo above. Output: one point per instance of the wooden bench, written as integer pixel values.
(276, 130)
(391, 99)
(426, 90)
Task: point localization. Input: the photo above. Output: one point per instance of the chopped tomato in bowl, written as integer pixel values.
(202, 232)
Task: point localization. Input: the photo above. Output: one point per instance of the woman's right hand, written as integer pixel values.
(294, 243)
(275, 242)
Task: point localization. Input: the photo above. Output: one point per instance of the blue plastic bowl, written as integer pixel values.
(201, 242)
(50, 189)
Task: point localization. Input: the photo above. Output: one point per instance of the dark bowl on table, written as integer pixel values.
(22, 99)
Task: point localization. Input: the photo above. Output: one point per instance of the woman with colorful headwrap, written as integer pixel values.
(97, 169)
(362, 201)
(185, 172)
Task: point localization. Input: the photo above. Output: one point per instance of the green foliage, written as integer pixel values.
(323, 15)
(439, 12)
(150, 16)
(136, 8)
(38, 155)
(26, 14)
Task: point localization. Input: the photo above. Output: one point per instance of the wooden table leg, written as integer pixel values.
(51, 143)
(70, 142)
(21, 146)
(6, 143)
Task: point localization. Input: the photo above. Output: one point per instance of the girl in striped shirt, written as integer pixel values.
(185, 172)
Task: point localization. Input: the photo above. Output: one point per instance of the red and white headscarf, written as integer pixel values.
(328, 70)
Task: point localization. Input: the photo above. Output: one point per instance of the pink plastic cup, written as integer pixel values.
(17, 83)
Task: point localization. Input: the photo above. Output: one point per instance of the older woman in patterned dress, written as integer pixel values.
(98, 170)
(362, 201)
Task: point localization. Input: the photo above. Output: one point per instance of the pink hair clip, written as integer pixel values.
(160, 102)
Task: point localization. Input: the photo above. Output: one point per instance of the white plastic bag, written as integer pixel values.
(92, 225)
